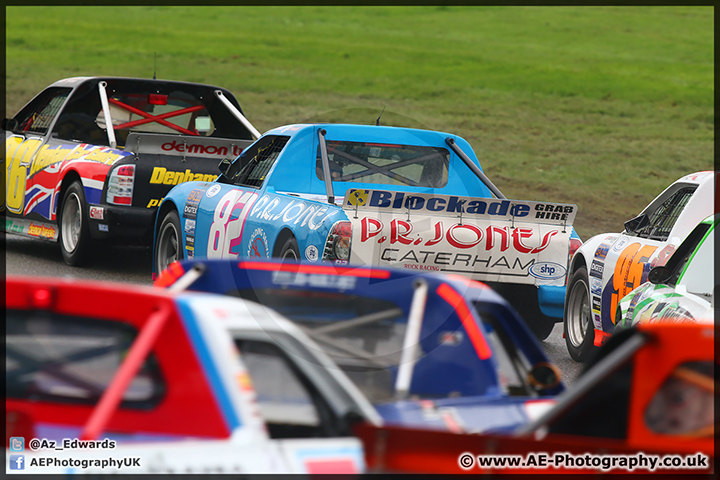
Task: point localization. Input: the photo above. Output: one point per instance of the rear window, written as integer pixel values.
(70, 359)
(385, 164)
(147, 106)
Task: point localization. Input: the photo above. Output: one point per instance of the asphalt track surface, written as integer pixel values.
(26, 256)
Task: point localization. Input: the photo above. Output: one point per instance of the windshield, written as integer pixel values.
(254, 163)
(365, 335)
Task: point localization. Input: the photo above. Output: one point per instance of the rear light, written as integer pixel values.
(337, 246)
(575, 243)
(121, 184)
(157, 99)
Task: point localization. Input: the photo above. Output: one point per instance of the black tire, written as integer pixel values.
(539, 324)
(542, 326)
(74, 231)
(524, 299)
(168, 247)
(290, 250)
(577, 319)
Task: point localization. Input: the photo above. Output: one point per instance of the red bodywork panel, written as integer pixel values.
(396, 449)
(187, 390)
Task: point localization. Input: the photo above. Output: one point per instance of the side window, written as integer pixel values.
(37, 116)
(68, 359)
(662, 218)
(283, 394)
(684, 404)
(251, 167)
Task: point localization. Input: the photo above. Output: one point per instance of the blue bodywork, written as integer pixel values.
(224, 220)
(475, 351)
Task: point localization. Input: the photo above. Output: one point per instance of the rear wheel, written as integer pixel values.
(74, 230)
(577, 323)
(524, 299)
(168, 247)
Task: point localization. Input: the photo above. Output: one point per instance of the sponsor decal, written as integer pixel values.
(453, 260)
(296, 211)
(154, 202)
(596, 286)
(596, 305)
(311, 253)
(199, 149)
(190, 242)
(103, 228)
(258, 245)
(190, 227)
(192, 202)
(228, 223)
(424, 268)
(48, 156)
(163, 176)
(596, 269)
(212, 191)
(602, 251)
(357, 197)
(458, 235)
(98, 213)
(450, 339)
(547, 270)
(484, 249)
(41, 231)
(28, 159)
(12, 227)
(620, 244)
(343, 282)
(455, 205)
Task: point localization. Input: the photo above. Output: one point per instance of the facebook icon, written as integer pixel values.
(17, 462)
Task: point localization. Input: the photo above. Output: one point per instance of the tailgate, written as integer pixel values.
(164, 161)
(486, 239)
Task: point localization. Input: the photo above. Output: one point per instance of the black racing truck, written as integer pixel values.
(72, 179)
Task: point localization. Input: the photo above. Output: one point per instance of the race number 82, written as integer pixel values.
(228, 220)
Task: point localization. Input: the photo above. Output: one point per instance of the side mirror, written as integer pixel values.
(659, 274)
(635, 224)
(544, 375)
(10, 124)
(224, 166)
